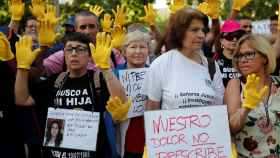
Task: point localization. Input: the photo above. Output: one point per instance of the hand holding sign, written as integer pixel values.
(117, 109)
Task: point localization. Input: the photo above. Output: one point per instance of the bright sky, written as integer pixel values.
(160, 4)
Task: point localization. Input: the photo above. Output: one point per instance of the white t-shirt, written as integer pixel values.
(178, 82)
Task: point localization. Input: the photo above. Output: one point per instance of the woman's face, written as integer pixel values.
(229, 40)
(194, 36)
(249, 60)
(136, 54)
(76, 55)
(54, 130)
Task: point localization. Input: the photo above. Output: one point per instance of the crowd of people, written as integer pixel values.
(80, 71)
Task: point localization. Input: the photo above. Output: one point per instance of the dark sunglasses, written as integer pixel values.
(233, 35)
(246, 55)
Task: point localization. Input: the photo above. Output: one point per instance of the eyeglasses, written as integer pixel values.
(247, 56)
(231, 36)
(78, 50)
(90, 26)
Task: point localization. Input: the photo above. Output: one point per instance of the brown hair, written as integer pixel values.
(183, 19)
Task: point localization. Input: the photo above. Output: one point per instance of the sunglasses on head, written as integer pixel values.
(231, 36)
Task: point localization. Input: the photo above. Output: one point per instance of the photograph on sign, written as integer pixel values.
(65, 126)
(190, 132)
(132, 80)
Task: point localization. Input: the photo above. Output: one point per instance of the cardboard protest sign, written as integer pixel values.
(71, 129)
(188, 133)
(132, 80)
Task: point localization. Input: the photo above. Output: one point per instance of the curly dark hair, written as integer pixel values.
(58, 137)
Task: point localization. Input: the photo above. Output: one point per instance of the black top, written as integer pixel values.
(76, 93)
(226, 68)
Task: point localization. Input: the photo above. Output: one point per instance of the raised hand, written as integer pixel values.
(37, 8)
(210, 8)
(177, 5)
(50, 15)
(24, 55)
(118, 35)
(120, 16)
(16, 8)
(46, 33)
(239, 4)
(96, 9)
(117, 109)
(150, 17)
(107, 23)
(102, 50)
(252, 95)
(5, 49)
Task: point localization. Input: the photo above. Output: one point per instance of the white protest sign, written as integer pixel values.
(132, 80)
(188, 133)
(78, 129)
(261, 27)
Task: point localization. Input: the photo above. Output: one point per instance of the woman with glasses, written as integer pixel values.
(254, 123)
(230, 33)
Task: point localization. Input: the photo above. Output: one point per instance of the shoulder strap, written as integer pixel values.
(59, 80)
(211, 68)
(97, 84)
(113, 58)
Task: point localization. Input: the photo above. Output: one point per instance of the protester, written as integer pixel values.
(183, 69)
(246, 24)
(253, 110)
(136, 47)
(78, 78)
(230, 33)
(87, 23)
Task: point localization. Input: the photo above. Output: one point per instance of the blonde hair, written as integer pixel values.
(262, 46)
(136, 36)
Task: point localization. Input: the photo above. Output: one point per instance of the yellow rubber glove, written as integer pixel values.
(24, 55)
(120, 16)
(145, 154)
(16, 8)
(101, 52)
(233, 151)
(6, 53)
(239, 4)
(50, 15)
(117, 109)
(46, 33)
(37, 9)
(118, 35)
(150, 17)
(107, 23)
(210, 8)
(253, 96)
(96, 9)
(177, 5)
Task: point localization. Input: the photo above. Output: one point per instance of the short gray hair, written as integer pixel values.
(136, 36)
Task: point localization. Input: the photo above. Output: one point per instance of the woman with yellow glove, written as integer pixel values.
(135, 48)
(92, 89)
(254, 118)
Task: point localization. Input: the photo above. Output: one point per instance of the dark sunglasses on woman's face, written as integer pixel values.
(232, 36)
(246, 55)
